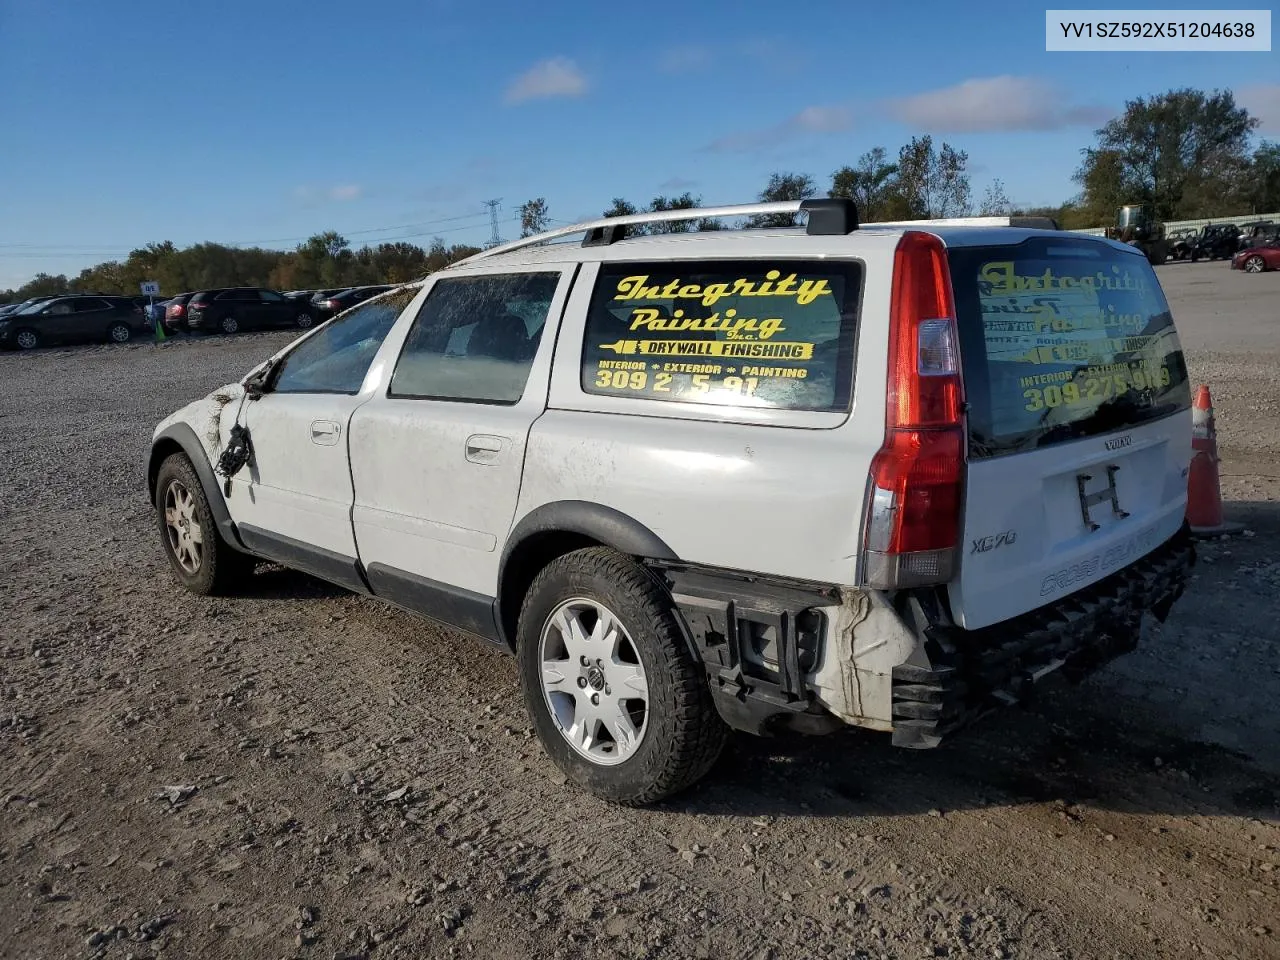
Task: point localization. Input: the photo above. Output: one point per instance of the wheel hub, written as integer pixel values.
(595, 677)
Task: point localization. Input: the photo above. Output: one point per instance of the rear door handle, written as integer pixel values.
(482, 448)
(325, 432)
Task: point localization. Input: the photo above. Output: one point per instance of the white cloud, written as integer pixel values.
(988, 104)
(349, 191)
(1262, 100)
(557, 77)
(810, 120)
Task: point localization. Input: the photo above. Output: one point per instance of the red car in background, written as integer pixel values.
(1265, 256)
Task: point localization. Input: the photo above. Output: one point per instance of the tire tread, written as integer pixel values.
(699, 734)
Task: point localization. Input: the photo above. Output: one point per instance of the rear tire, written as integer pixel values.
(304, 320)
(615, 609)
(228, 324)
(203, 562)
(119, 333)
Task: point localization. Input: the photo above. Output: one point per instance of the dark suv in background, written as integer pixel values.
(231, 309)
(74, 319)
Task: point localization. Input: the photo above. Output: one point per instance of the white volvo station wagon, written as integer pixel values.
(883, 475)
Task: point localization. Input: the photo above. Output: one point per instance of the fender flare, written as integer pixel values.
(182, 435)
(605, 525)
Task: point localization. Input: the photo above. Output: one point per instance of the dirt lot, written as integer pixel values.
(305, 773)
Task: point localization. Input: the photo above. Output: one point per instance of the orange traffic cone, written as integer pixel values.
(1204, 493)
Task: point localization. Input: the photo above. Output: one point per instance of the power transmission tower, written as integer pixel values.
(493, 219)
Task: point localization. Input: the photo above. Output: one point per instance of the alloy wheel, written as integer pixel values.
(593, 681)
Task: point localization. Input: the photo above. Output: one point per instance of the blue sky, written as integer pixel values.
(267, 121)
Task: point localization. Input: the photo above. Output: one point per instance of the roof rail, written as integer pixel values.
(827, 216)
(1031, 223)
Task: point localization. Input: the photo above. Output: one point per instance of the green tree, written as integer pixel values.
(1167, 150)
(533, 217)
(683, 202)
(930, 183)
(1264, 179)
(783, 186)
(994, 201)
(869, 184)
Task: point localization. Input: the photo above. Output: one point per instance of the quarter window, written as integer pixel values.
(756, 333)
(474, 338)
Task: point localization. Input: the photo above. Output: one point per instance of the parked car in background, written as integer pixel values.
(73, 319)
(231, 309)
(1260, 258)
(327, 304)
(1216, 242)
(175, 311)
(1258, 233)
(1180, 244)
(13, 308)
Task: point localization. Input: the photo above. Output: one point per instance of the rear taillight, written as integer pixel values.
(197, 305)
(912, 527)
(175, 310)
(332, 304)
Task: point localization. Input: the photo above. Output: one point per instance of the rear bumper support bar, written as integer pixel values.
(956, 676)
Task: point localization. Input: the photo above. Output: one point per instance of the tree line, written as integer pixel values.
(1187, 153)
(324, 261)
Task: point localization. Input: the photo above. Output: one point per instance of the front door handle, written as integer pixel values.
(325, 432)
(482, 448)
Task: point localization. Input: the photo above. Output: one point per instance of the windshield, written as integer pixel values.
(1062, 339)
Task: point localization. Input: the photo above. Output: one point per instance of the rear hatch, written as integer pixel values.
(1079, 420)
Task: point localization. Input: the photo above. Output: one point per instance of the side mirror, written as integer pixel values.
(257, 385)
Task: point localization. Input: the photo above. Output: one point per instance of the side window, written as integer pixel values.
(336, 357)
(60, 307)
(90, 305)
(757, 333)
(474, 338)
(270, 296)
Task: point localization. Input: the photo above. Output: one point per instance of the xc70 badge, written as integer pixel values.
(994, 542)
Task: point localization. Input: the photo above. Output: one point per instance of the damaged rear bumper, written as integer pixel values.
(955, 676)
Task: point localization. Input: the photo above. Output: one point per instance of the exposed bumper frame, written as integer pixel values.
(956, 676)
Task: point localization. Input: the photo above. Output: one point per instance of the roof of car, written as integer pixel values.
(745, 243)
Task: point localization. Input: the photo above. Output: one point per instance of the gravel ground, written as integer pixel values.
(300, 772)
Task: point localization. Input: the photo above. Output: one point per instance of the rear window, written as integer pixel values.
(1062, 339)
(757, 333)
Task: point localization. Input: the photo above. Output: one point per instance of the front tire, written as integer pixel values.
(202, 561)
(1255, 265)
(26, 339)
(617, 699)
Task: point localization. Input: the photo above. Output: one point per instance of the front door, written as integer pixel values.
(292, 501)
(468, 384)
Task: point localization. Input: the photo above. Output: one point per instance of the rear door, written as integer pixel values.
(1079, 420)
(437, 457)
